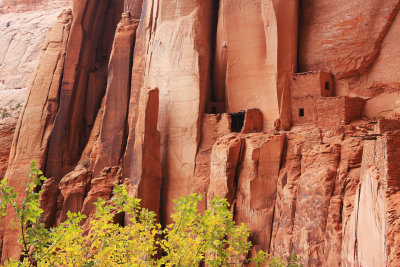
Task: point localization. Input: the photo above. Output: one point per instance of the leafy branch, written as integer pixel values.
(211, 237)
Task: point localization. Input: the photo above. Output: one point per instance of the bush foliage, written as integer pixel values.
(192, 238)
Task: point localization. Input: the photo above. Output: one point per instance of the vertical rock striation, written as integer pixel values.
(36, 122)
(201, 96)
(172, 54)
(146, 173)
(256, 73)
(113, 133)
(88, 52)
(225, 160)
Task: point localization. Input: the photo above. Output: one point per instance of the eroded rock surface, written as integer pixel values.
(116, 100)
(146, 175)
(37, 118)
(7, 129)
(9, 6)
(357, 41)
(23, 36)
(256, 73)
(171, 97)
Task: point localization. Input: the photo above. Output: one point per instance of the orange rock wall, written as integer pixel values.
(23, 36)
(256, 73)
(256, 188)
(146, 176)
(225, 161)
(375, 219)
(116, 99)
(315, 194)
(37, 118)
(180, 96)
(88, 53)
(213, 127)
(7, 129)
(180, 70)
(357, 42)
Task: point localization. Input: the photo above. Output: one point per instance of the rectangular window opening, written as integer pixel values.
(301, 112)
(327, 86)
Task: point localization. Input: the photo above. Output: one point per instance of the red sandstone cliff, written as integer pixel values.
(22, 39)
(23, 28)
(268, 103)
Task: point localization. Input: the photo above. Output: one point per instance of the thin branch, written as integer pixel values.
(31, 261)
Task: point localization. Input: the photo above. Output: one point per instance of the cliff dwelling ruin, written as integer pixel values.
(288, 109)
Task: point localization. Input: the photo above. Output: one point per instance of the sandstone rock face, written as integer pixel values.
(7, 6)
(100, 187)
(256, 74)
(73, 188)
(311, 193)
(375, 219)
(146, 176)
(7, 129)
(213, 127)
(180, 70)
(226, 155)
(114, 118)
(357, 41)
(256, 189)
(37, 117)
(327, 34)
(182, 96)
(87, 54)
(22, 39)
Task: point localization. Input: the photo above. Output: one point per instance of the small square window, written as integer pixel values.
(301, 112)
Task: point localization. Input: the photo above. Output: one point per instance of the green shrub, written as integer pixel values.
(378, 117)
(191, 238)
(4, 113)
(85, 162)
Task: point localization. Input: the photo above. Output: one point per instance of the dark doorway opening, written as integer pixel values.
(301, 112)
(237, 121)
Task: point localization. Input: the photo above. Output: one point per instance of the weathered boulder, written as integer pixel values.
(74, 187)
(101, 186)
(49, 200)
